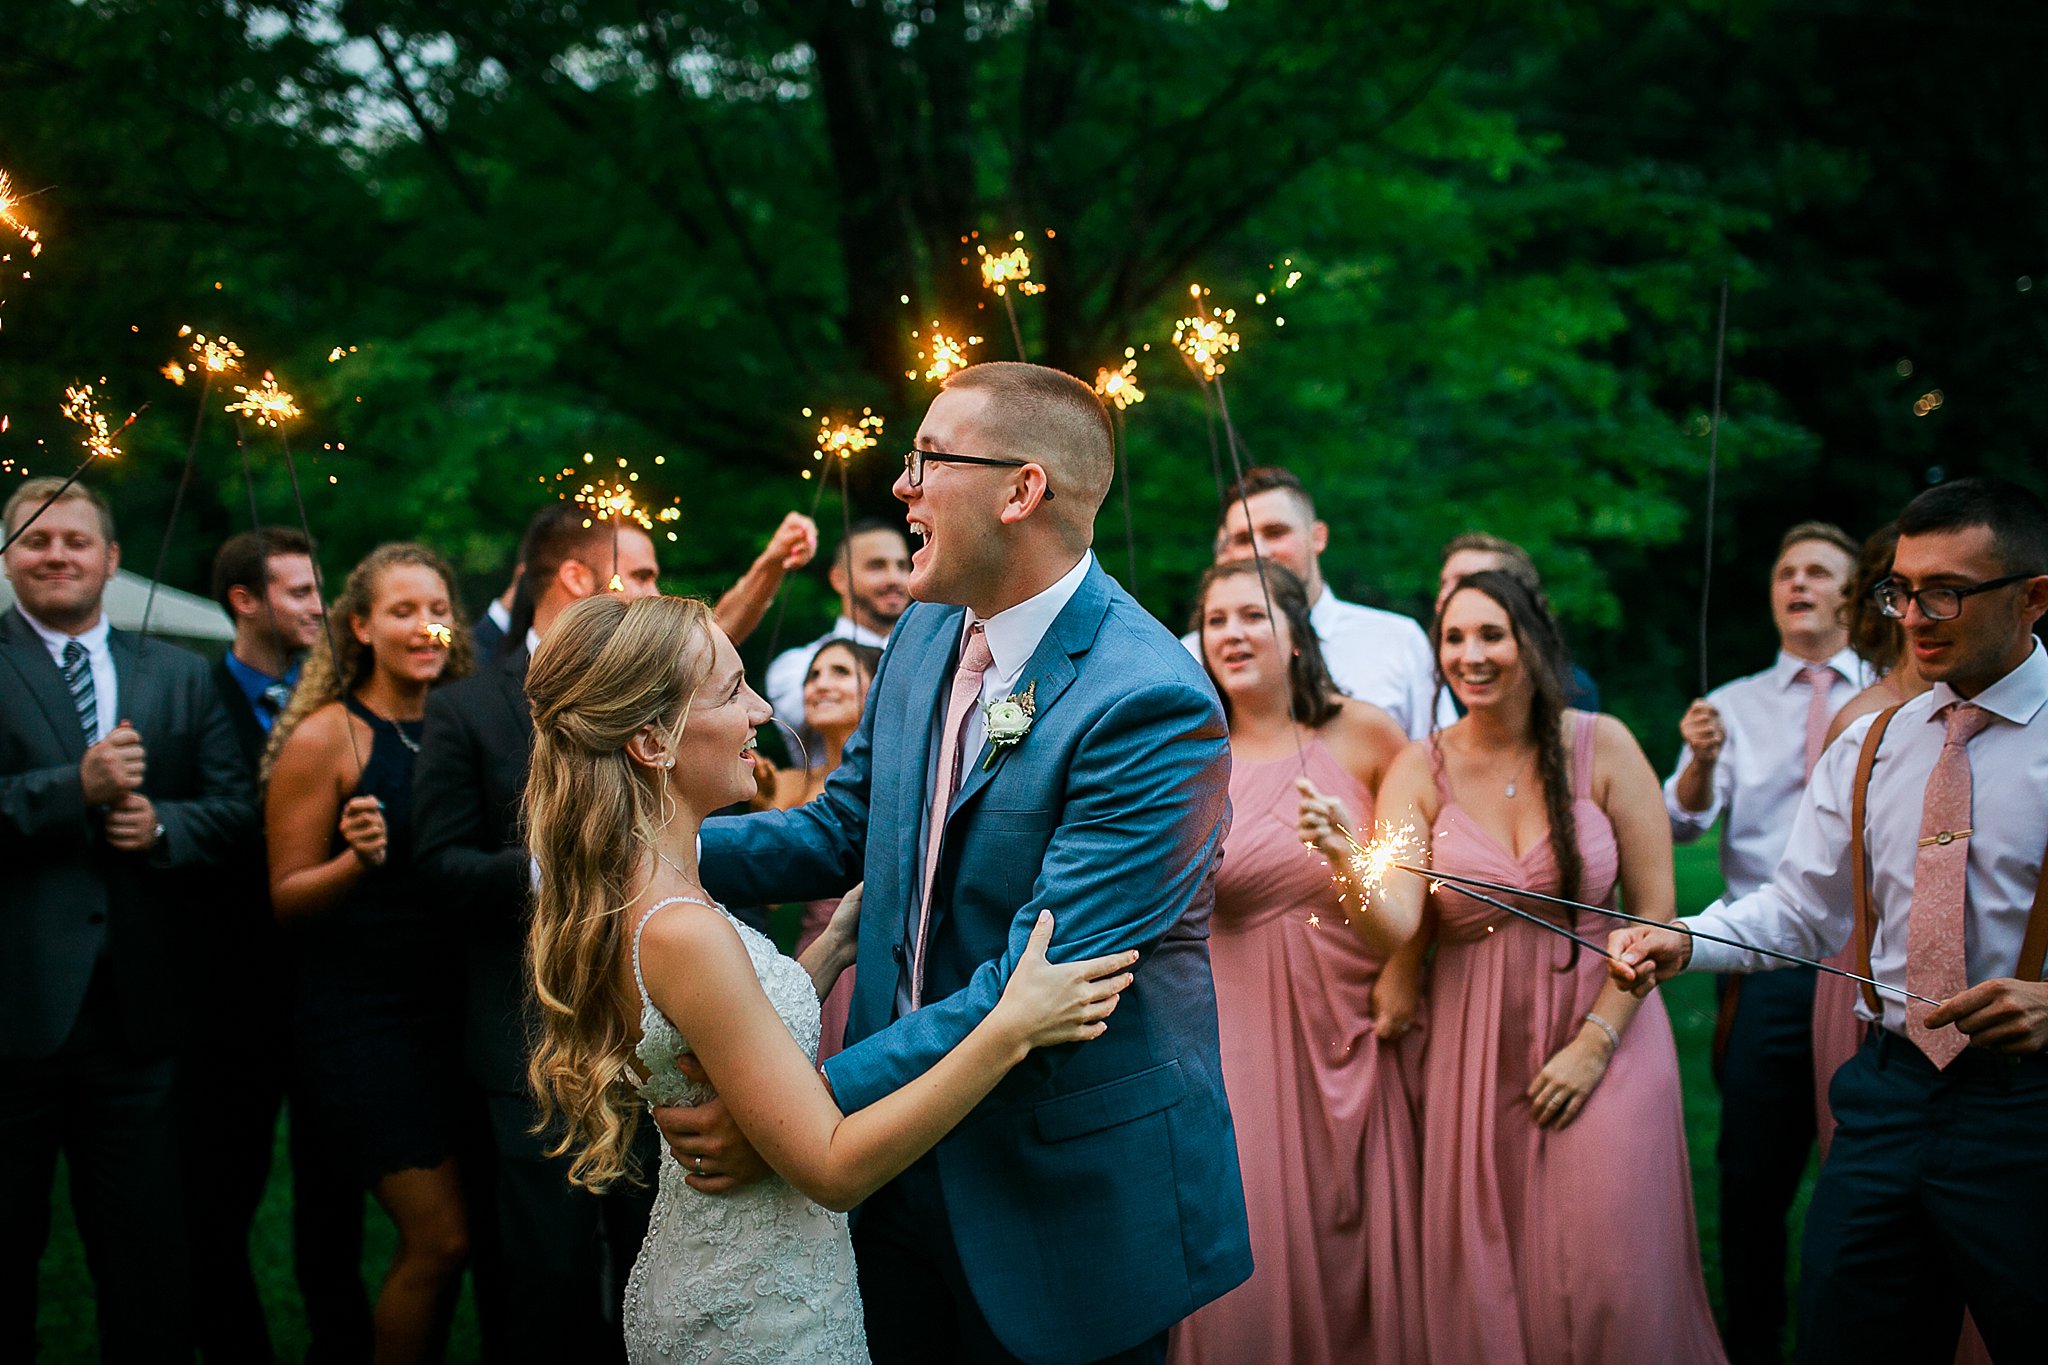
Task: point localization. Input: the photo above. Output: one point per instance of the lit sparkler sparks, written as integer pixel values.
(11, 221)
(1119, 387)
(847, 439)
(439, 634)
(613, 498)
(82, 407)
(1205, 338)
(266, 405)
(941, 354)
(1002, 271)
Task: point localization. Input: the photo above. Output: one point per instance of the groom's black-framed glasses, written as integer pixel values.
(915, 460)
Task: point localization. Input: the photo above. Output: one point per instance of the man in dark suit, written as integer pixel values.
(120, 783)
(232, 1078)
(550, 1259)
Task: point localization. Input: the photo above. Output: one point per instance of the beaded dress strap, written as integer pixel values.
(639, 979)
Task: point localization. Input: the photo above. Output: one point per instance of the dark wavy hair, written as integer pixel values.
(1877, 639)
(1311, 694)
(1548, 666)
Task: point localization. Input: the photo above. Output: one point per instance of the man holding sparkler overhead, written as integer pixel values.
(1376, 656)
(1748, 748)
(1921, 839)
(1034, 740)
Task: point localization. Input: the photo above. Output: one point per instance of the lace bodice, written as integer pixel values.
(756, 1276)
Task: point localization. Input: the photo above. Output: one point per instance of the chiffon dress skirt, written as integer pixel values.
(1325, 1115)
(1538, 1245)
(1837, 1033)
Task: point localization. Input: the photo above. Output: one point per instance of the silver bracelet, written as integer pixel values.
(1613, 1038)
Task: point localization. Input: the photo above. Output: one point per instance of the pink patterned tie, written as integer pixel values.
(1935, 943)
(1821, 679)
(974, 661)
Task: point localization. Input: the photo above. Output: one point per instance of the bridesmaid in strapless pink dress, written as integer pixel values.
(1325, 1113)
(1548, 1244)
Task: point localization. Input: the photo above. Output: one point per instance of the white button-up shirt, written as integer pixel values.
(105, 686)
(783, 684)
(1807, 906)
(1373, 655)
(1761, 773)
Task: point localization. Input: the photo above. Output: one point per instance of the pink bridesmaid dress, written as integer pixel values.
(1837, 1033)
(839, 1000)
(1542, 1245)
(1325, 1115)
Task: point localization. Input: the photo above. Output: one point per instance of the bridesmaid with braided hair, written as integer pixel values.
(1542, 1081)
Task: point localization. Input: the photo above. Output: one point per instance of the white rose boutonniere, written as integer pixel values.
(1008, 720)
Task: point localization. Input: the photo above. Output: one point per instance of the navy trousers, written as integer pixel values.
(1934, 1197)
(1765, 1069)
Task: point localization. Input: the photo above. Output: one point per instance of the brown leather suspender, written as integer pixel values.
(2033, 948)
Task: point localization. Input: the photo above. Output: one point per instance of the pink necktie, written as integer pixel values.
(1821, 679)
(974, 661)
(1935, 942)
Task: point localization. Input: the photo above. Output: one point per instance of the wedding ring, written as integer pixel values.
(700, 1165)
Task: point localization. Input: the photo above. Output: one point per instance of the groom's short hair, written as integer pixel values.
(1043, 414)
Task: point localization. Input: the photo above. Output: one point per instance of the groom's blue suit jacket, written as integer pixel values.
(1094, 1196)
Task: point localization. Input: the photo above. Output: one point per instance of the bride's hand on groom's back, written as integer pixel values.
(1051, 1003)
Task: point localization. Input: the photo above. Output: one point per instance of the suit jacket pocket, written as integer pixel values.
(1105, 1106)
(1014, 821)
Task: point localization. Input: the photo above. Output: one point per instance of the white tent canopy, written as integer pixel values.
(185, 615)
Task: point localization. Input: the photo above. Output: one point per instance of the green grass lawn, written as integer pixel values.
(66, 1321)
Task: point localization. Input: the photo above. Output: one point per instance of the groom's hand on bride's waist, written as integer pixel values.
(705, 1141)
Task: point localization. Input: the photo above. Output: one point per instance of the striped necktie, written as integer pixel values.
(78, 677)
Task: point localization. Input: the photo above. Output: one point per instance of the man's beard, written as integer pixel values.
(864, 608)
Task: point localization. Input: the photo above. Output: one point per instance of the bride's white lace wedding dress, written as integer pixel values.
(761, 1276)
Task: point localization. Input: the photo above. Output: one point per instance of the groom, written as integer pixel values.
(1093, 1199)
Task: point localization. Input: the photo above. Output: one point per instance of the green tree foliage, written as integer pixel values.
(640, 231)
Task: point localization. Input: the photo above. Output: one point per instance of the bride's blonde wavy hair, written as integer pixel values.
(606, 670)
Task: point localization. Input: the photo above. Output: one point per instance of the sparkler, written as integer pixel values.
(270, 405)
(1118, 389)
(211, 356)
(838, 441)
(11, 221)
(1203, 341)
(612, 498)
(1003, 271)
(1674, 926)
(941, 354)
(80, 406)
(1713, 470)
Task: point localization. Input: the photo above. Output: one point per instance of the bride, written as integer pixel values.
(643, 725)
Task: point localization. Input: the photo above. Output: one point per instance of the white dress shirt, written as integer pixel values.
(499, 615)
(1761, 773)
(1808, 907)
(783, 684)
(1373, 655)
(105, 695)
(1014, 635)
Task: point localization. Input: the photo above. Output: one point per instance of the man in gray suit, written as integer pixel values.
(120, 782)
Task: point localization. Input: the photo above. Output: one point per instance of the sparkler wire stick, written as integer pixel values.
(1454, 879)
(1713, 471)
(319, 587)
(92, 453)
(1551, 925)
(163, 551)
(20, 530)
(1016, 334)
(1121, 455)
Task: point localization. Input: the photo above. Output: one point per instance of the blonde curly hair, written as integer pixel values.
(608, 669)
